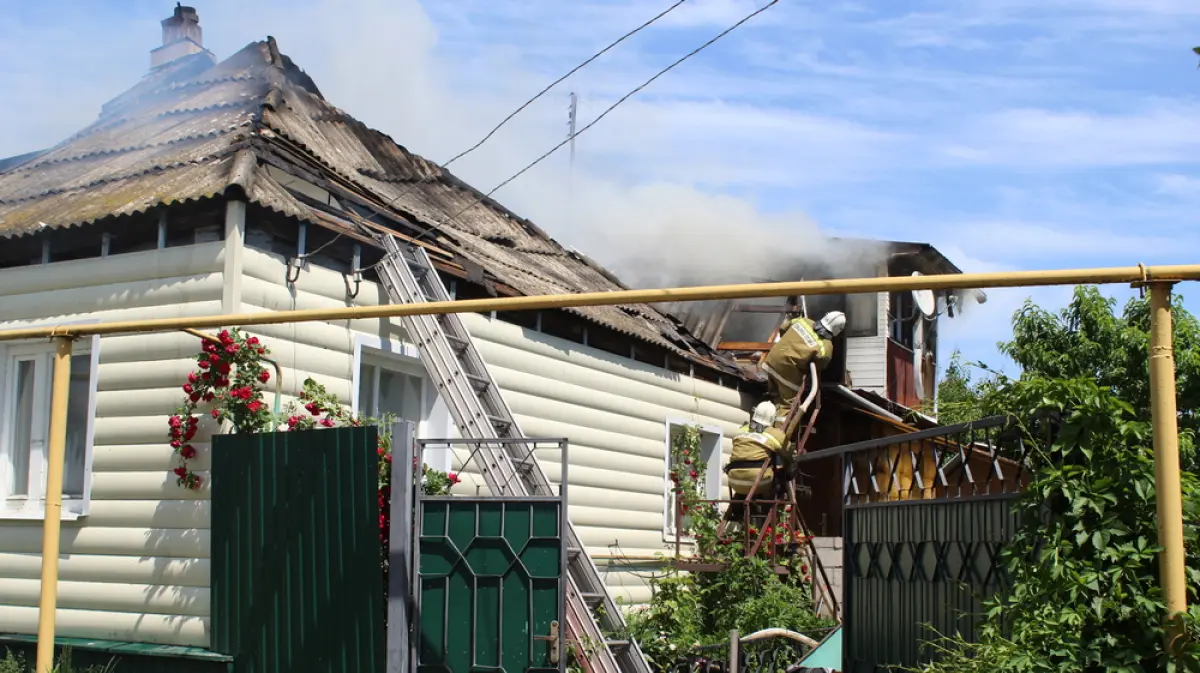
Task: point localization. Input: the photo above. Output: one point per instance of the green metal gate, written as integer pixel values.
(490, 592)
(927, 515)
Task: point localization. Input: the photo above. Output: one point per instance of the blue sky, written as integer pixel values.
(1012, 134)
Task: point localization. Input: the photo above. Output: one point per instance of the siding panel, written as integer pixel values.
(136, 568)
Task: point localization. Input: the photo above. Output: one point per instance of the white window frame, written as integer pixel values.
(33, 507)
(712, 443)
(404, 357)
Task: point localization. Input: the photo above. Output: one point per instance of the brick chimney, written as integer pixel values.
(181, 36)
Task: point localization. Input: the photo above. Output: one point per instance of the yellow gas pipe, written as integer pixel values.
(1165, 424)
(52, 525)
(1168, 496)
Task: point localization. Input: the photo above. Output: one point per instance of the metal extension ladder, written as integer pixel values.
(479, 410)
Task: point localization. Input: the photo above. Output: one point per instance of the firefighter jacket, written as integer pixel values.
(750, 449)
(787, 362)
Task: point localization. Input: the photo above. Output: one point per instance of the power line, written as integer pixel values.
(560, 80)
(602, 115)
(419, 181)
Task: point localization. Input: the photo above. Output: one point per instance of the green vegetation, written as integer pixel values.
(1085, 593)
(16, 664)
(689, 609)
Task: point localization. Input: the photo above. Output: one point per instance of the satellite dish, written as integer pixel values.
(925, 300)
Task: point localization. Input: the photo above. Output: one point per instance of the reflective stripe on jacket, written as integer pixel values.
(799, 344)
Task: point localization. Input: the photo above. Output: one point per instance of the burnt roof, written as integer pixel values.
(195, 130)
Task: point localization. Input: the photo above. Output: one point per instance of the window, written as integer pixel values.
(391, 379)
(383, 390)
(862, 315)
(26, 373)
(710, 456)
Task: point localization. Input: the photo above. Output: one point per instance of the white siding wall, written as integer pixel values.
(866, 357)
(137, 567)
(613, 410)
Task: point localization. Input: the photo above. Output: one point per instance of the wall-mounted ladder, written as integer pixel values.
(479, 411)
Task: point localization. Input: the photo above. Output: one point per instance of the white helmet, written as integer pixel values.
(834, 322)
(764, 414)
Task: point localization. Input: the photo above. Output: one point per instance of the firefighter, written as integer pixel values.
(801, 341)
(757, 441)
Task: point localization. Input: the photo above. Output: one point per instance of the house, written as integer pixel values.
(235, 186)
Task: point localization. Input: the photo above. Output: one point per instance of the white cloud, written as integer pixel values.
(1164, 133)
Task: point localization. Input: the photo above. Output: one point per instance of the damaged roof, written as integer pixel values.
(195, 130)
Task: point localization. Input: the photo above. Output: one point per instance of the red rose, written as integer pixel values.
(223, 367)
(693, 474)
(208, 397)
(264, 376)
(232, 349)
(181, 471)
(327, 422)
(205, 364)
(224, 336)
(253, 341)
(193, 421)
(388, 459)
(453, 478)
(196, 481)
(188, 451)
(187, 388)
(195, 397)
(804, 569)
(216, 413)
(313, 408)
(192, 378)
(261, 350)
(214, 358)
(292, 421)
(174, 421)
(255, 406)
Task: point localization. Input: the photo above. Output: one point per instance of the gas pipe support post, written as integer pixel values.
(52, 523)
(1167, 487)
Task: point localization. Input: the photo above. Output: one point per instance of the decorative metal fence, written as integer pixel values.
(926, 517)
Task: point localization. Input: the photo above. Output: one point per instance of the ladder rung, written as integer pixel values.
(481, 382)
(592, 599)
(498, 421)
(613, 644)
(456, 342)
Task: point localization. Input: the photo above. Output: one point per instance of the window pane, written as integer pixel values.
(77, 420)
(862, 314)
(400, 394)
(366, 390)
(22, 428)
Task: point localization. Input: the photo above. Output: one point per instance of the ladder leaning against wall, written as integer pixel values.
(479, 411)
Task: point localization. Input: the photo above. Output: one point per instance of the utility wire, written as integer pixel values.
(602, 115)
(560, 80)
(529, 102)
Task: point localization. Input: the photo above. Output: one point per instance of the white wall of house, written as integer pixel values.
(614, 411)
(866, 357)
(135, 549)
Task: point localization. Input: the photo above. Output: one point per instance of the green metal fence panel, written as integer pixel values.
(919, 564)
(927, 515)
(296, 578)
(490, 584)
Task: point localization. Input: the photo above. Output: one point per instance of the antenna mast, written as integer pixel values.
(571, 116)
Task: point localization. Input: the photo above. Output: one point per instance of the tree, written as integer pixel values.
(1084, 592)
(1087, 339)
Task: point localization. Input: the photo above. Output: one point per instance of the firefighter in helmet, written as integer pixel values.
(755, 442)
(801, 341)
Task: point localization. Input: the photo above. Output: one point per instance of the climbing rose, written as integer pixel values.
(264, 376)
(188, 451)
